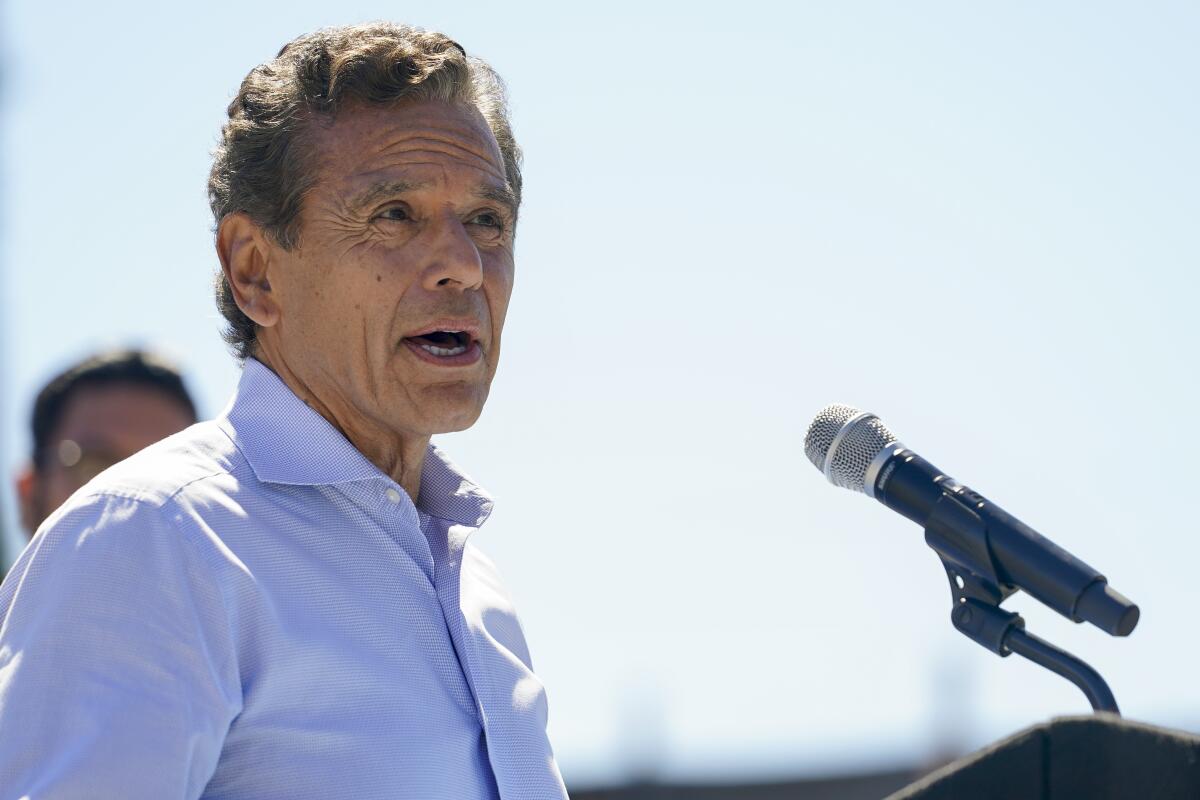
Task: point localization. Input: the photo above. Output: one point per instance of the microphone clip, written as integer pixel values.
(959, 536)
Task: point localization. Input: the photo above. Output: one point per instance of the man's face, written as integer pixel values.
(392, 304)
(100, 426)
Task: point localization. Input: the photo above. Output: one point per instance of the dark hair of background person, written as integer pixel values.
(261, 166)
(124, 367)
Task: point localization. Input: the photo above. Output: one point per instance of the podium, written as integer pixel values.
(1097, 757)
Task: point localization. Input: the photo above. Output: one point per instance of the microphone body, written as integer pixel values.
(856, 450)
(1021, 557)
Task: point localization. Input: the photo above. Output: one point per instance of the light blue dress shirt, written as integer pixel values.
(252, 610)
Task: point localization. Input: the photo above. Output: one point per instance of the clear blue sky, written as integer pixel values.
(978, 220)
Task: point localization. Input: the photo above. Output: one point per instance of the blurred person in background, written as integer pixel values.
(92, 415)
(283, 602)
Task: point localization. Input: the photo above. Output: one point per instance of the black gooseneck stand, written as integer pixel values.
(977, 614)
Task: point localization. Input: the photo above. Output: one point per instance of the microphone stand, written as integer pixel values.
(960, 540)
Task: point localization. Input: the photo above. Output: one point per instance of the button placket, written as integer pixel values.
(390, 509)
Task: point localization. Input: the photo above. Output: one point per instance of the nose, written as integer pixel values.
(453, 259)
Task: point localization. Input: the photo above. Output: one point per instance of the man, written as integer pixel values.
(283, 603)
(92, 415)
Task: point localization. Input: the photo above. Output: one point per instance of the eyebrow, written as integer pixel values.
(377, 191)
(503, 195)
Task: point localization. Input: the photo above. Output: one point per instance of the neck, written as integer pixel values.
(400, 456)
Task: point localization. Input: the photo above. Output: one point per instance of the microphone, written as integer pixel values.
(855, 450)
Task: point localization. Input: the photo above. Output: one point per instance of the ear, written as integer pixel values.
(27, 499)
(246, 259)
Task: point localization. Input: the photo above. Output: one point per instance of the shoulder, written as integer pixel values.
(165, 470)
(153, 502)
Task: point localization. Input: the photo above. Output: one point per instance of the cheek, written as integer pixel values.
(499, 289)
(57, 488)
(336, 304)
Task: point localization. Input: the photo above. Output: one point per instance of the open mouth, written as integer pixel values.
(443, 344)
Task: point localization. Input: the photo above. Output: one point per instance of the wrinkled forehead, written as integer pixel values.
(365, 139)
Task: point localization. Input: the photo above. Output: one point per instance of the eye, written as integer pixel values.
(394, 214)
(491, 221)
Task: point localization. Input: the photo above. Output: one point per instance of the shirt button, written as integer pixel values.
(393, 495)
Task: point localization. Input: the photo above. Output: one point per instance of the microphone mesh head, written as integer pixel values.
(824, 428)
(859, 438)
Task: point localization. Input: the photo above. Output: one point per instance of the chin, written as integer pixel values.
(452, 423)
(453, 411)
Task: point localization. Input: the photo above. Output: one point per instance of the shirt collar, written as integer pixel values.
(285, 441)
(447, 492)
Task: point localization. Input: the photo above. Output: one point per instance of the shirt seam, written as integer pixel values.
(154, 500)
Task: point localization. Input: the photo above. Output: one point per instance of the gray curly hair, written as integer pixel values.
(262, 166)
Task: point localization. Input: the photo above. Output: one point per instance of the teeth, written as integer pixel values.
(444, 351)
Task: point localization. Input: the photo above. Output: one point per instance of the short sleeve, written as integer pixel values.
(118, 674)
